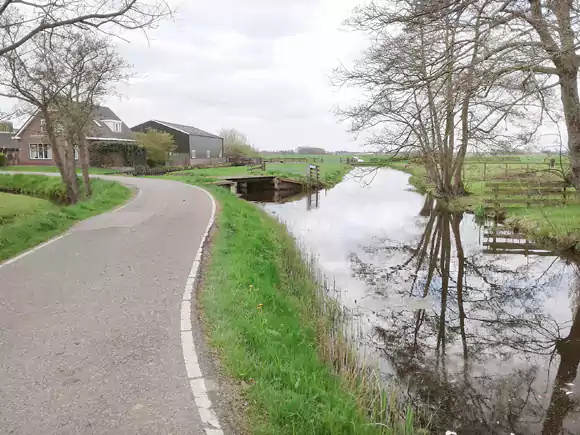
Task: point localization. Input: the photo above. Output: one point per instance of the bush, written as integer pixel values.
(3, 159)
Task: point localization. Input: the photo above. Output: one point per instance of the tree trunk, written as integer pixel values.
(62, 160)
(84, 159)
(571, 104)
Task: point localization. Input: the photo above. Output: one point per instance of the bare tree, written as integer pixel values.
(61, 76)
(21, 20)
(91, 67)
(426, 89)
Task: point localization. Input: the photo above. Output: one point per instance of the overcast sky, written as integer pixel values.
(261, 66)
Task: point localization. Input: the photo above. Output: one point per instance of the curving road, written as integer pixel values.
(90, 325)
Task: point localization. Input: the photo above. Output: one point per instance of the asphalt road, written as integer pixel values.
(90, 324)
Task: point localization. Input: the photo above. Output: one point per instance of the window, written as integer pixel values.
(208, 154)
(40, 152)
(76, 153)
(114, 125)
(220, 155)
(43, 126)
(193, 154)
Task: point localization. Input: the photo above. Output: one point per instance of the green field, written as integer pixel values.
(556, 224)
(331, 172)
(52, 169)
(26, 221)
(271, 331)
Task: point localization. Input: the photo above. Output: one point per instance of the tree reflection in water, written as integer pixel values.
(486, 357)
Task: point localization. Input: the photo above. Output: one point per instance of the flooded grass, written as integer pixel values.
(286, 342)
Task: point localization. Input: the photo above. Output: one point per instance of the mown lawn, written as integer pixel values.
(28, 220)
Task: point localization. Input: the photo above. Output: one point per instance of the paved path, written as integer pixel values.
(90, 339)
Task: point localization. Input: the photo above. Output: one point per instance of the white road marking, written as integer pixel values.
(194, 374)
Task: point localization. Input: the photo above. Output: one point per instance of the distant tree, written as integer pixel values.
(310, 150)
(158, 145)
(236, 143)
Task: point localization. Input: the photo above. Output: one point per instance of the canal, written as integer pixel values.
(479, 328)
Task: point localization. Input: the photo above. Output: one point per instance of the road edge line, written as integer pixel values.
(192, 367)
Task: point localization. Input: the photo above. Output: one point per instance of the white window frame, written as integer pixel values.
(42, 125)
(76, 153)
(193, 154)
(40, 148)
(220, 155)
(208, 154)
(114, 125)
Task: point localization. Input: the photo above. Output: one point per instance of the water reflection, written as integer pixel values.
(485, 352)
(479, 327)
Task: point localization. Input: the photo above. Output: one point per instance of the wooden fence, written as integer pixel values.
(546, 193)
(162, 170)
(257, 167)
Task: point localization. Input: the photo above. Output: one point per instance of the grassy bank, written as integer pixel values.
(276, 334)
(26, 221)
(18, 168)
(331, 172)
(554, 225)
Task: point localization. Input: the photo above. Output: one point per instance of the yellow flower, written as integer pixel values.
(260, 306)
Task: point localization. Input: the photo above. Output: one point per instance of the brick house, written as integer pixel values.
(105, 126)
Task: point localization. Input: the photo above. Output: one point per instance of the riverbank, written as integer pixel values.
(275, 333)
(331, 173)
(36, 215)
(555, 226)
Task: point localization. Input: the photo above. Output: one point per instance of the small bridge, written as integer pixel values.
(245, 184)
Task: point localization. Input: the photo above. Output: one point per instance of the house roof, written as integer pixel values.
(98, 130)
(187, 129)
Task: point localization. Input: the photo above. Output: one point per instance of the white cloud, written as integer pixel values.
(261, 66)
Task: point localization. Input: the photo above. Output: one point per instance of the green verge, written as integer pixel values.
(17, 168)
(28, 226)
(262, 310)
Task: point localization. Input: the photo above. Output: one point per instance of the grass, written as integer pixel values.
(29, 221)
(13, 207)
(17, 168)
(556, 225)
(276, 334)
(331, 172)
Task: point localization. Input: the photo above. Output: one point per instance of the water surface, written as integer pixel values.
(480, 327)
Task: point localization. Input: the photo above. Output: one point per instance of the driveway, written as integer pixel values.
(92, 325)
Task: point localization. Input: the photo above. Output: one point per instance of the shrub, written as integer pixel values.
(3, 159)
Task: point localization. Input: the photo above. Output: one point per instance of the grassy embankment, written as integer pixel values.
(17, 168)
(275, 331)
(331, 171)
(37, 213)
(556, 225)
